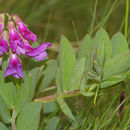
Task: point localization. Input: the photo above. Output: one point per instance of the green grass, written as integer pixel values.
(126, 18)
(51, 18)
(104, 115)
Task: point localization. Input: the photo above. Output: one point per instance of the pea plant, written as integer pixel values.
(98, 64)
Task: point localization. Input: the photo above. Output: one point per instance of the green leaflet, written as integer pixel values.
(22, 98)
(3, 127)
(34, 75)
(84, 88)
(100, 38)
(47, 75)
(67, 61)
(100, 55)
(84, 47)
(90, 56)
(88, 94)
(4, 112)
(64, 107)
(58, 82)
(7, 90)
(112, 81)
(99, 51)
(28, 118)
(119, 44)
(50, 107)
(8, 93)
(26, 91)
(87, 90)
(116, 65)
(76, 76)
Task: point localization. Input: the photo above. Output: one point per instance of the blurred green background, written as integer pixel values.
(73, 18)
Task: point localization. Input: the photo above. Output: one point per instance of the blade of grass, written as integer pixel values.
(94, 14)
(49, 118)
(112, 115)
(75, 31)
(126, 18)
(47, 27)
(103, 21)
(106, 112)
(122, 24)
(58, 120)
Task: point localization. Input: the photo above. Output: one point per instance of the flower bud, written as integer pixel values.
(24, 31)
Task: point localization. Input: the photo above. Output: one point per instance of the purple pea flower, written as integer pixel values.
(37, 53)
(16, 42)
(25, 32)
(4, 43)
(1, 22)
(14, 68)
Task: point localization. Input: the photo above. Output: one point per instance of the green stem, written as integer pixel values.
(95, 98)
(126, 18)
(30, 84)
(53, 97)
(13, 120)
(17, 84)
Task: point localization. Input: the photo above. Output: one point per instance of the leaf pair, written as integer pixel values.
(102, 61)
(28, 118)
(115, 69)
(71, 70)
(17, 101)
(69, 73)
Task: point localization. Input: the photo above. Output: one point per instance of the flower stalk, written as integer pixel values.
(13, 120)
(63, 95)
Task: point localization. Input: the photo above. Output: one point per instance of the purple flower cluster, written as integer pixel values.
(15, 38)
